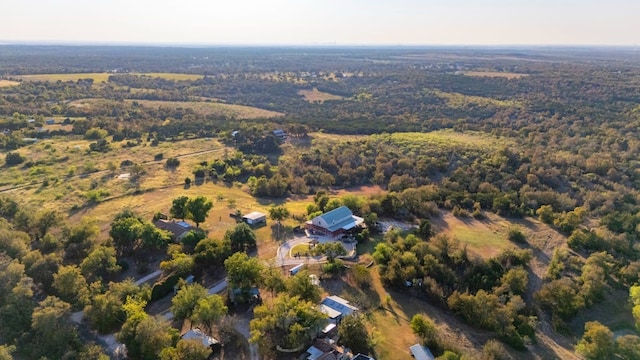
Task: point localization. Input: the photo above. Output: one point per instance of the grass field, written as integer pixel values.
(460, 100)
(315, 96)
(506, 75)
(8, 83)
(211, 108)
(104, 77)
(448, 138)
(485, 238)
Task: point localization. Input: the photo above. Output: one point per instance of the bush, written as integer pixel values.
(14, 158)
(172, 162)
(164, 287)
(158, 157)
(516, 235)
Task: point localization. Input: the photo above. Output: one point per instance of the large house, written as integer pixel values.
(336, 308)
(334, 222)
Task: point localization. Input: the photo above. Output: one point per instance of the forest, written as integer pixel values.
(99, 143)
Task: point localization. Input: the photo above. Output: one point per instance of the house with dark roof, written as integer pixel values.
(362, 357)
(178, 229)
(334, 222)
(323, 349)
(336, 308)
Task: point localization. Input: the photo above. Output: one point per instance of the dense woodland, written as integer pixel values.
(546, 133)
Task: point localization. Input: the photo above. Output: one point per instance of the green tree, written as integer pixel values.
(300, 285)
(100, 264)
(424, 230)
(331, 250)
(71, 286)
(209, 310)
(179, 208)
(545, 214)
(53, 332)
(186, 350)
(353, 334)
(184, 303)
(198, 209)
(596, 342)
(125, 233)
(153, 334)
(241, 237)
(287, 322)
(279, 213)
(6, 351)
(211, 252)
(273, 279)
(628, 347)
(425, 330)
(243, 272)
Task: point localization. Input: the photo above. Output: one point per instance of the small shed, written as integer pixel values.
(420, 352)
(255, 218)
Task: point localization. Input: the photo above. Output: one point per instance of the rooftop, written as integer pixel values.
(256, 215)
(338, 304)
(420, 352)
(197, 334)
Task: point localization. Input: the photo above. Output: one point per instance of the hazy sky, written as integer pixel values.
(307, 22)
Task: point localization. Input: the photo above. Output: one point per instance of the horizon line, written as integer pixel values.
(72, 43)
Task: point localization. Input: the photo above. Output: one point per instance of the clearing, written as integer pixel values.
(200, 107)
(316, 96)
(485, 238)
(214, 108)
(8, 83)
(506, 75)
(104, 77)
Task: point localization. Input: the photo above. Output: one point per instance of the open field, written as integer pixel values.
(461, 100)
(484, 238)
(214, 108)
(448, 138)
(7, 83)
(506, 75)
(104, 77)
(315, 96)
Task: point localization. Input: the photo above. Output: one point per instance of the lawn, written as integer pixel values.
(485, 238)
(315, 96)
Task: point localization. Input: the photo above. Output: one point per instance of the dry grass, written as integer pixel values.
(8, 83)
(104, 77)
(214, 108)
(506, 75)
(315, 96)
(484, 238)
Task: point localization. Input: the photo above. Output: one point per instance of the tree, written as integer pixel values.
(198, 209)
(186, 299)
(241, 237)
(153, 334)
(186, 350)
(273, 279)
(545, 214)
(125, 233)
(353, 334)
(597, 342)
(243, 272)
(279, 213)
(209, 310)
(286, 322)
(331, 250)
(100, 264)
(179, 208)
(424, 230)
(425, 330)
(53, 332)
(71, 286)
(300, 285)
(6, 351)
(628, 347)
(14, 158)
(211, 252)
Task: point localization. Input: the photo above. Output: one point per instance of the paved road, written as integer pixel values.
(283, 255)
(148, 277)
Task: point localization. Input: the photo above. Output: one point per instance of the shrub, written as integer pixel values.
(164, 287)
(14, 158)
(172, 162)
(516, 235)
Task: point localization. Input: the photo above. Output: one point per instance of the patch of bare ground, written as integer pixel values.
(316, 96)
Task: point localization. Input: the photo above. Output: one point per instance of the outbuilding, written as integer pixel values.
(255, 218)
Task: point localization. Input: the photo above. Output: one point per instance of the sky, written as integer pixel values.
(324, 22)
